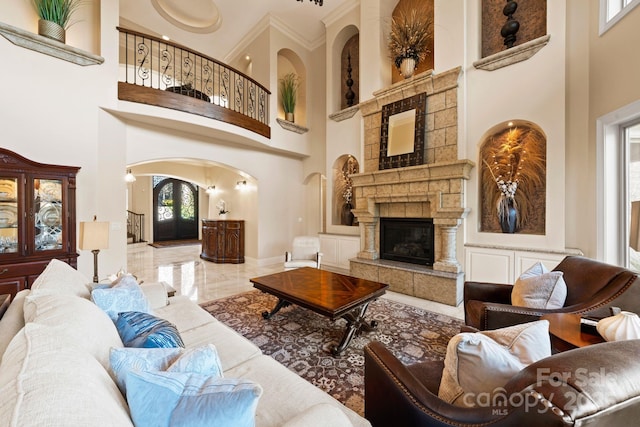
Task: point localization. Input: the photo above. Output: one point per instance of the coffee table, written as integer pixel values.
(329, 294)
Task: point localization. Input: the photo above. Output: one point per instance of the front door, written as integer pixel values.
(175, 207)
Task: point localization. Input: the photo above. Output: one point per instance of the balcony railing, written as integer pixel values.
(161, 73)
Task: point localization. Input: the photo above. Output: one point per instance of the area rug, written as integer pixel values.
(301, 339)
(172, 243)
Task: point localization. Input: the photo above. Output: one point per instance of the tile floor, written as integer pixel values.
(183, 269)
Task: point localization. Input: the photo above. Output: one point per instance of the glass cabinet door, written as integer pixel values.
(48, 214)
(8, 215)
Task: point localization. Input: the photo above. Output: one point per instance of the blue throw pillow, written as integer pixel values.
(200, 360)
(124, 296)
(191, 400)
(125, 359)
(144, 330)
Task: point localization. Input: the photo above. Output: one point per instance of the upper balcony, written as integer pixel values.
(157, 72)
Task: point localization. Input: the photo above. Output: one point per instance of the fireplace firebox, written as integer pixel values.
(407, 240)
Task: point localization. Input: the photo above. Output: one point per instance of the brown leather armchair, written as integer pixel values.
(592, 287)
(597, 385)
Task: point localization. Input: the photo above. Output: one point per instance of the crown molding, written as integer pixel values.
(339, 12)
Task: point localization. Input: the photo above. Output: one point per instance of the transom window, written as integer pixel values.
(612, 11)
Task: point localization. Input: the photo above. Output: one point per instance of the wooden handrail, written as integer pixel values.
(165, 74)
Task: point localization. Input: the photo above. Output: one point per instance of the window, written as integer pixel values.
(612, 11)
(631, 135)
(618, 172)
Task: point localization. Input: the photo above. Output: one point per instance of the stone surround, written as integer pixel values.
(432, 190)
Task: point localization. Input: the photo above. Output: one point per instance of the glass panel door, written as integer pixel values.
(8, 215)
(48, 214)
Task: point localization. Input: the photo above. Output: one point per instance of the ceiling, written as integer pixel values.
(216, 27)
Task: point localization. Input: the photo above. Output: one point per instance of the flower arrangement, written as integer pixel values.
(410, 36)
(222, 207)
(515, 165)
(350, 167)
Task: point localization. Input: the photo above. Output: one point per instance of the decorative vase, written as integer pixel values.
(51, 30)
(347, 215)
(223, 216)
(509, 219)
(407, 67)
(289, 117)
(623, 326)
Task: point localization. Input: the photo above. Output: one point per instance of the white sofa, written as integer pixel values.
(55, 367)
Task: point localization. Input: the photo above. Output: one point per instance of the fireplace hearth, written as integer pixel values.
(407, 240)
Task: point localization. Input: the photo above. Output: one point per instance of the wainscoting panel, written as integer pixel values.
(337, 249)
(505, 265)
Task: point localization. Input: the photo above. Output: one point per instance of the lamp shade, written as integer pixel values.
(94, 235)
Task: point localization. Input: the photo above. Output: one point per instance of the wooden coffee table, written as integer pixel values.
(329, 294)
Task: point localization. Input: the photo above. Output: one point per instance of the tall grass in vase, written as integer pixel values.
(55, 17)
(289, 84)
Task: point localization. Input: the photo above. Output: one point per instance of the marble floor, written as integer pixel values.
(200, 280)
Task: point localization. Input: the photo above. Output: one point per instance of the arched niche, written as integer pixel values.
(342, 196)
(290, 62)
(513, 152)
(425, 7)
(346, 43)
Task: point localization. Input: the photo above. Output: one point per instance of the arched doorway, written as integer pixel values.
(175, 207)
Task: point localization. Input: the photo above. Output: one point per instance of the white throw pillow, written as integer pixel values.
(61, 277)
(539, 288)
(477, 364)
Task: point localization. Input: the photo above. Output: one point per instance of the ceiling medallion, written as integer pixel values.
(318, 2)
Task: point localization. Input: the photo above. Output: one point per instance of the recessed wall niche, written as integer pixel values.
(513, 162)
(426, 7)
(342, 196)
(530, 14)
(350, 73)
(290, 62)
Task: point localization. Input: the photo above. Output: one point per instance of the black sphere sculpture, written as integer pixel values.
(350, 95)
(511, 27)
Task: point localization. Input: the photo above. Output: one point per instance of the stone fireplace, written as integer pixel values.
(433, 190)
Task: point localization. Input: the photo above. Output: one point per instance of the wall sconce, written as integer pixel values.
(129, 177)
(211, 189)
(93, 237)
(241, 185)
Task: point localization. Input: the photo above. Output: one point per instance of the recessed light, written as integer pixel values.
(166, 38)
(248, 58)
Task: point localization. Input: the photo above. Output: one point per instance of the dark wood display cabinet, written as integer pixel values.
(37, 219)
(223, 241)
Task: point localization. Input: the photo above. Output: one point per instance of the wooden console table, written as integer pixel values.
(223, 241)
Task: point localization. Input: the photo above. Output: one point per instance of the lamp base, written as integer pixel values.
(95, 264)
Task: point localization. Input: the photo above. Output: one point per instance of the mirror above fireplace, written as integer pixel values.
(402, 133)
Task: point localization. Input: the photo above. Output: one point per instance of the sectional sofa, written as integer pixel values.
(55, 345)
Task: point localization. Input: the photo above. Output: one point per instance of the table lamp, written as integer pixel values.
(93, 237)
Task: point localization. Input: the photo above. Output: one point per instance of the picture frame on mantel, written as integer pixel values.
(399, 147)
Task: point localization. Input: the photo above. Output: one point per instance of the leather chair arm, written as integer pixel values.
(598, 384)
(490, 292)
(496, 316)
(394, 396)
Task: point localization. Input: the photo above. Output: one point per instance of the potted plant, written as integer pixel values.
(55, 17)
(288, 93)
(411, 34)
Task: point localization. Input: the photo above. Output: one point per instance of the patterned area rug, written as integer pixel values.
(301, 339)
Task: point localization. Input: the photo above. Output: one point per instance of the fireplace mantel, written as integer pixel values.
(432, 190)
